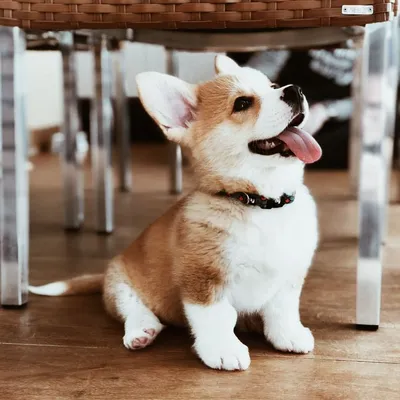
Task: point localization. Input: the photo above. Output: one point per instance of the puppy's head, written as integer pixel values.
(233, 125)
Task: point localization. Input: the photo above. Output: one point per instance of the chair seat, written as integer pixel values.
(213, 40)
(239, 41)
(192, 14)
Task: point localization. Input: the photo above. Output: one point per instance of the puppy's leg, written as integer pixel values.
(141, 325)
(215, 342)
(282, 325)
(121, 300)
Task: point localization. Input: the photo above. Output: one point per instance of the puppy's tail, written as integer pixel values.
(85, 284)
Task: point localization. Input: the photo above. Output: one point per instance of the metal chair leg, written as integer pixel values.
(175, 156)
(392, 80)
(72, 168)
(122, 125)
(101, 128)
(14, 207)
(355, 123)
(377, 95)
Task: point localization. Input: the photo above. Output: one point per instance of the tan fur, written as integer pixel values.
(215, 104)
(173, 273)
(215, 100)
(92, 284)
(85, 284)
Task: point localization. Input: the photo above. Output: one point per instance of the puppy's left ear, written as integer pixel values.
(225, 65)
(170, 101)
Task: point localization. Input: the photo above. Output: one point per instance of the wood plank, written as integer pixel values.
(171, 372)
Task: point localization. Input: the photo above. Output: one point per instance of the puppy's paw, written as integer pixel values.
(136, 339)
(230, 354)
(295, 340)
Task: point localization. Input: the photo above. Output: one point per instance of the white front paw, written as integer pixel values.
(296, 340)
(229, 354)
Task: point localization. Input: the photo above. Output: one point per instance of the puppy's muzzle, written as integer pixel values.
(294, 97)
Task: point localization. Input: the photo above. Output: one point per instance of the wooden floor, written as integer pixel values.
(67, 348)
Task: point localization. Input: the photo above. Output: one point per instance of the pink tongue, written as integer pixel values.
(302, 144)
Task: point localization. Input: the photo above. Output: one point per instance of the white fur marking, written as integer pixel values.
(295, 339)
(141, 325)
(51, 289)
(215, 342)
(282, 325)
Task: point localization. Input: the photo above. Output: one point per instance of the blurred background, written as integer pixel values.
(324, 75)
(44, 80)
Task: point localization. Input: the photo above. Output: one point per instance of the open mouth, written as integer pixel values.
(292, 142)
(268, 147)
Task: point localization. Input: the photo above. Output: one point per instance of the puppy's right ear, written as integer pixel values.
(170, 101)
(225, 65)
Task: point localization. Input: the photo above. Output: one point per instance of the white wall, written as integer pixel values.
(44, 77)
(43, 88)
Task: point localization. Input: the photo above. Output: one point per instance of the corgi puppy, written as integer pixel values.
(236, 250)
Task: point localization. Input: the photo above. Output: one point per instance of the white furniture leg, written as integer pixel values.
(71, 165)
(378, 93)
(122, 122)
(101, 129)
(14, 188)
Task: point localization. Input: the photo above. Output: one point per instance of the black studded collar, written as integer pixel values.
(252, 199)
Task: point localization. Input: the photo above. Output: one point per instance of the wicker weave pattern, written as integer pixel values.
(187, 14)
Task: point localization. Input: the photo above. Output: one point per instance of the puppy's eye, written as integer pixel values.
(242, 104)
(275, 86)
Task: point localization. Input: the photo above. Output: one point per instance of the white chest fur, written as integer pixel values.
(268, 248)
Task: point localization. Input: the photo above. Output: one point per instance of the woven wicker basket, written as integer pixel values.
(187, 14)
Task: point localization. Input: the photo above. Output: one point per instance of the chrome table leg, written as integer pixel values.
(175, 156)
(14, 188)
(101, 129)
(122, 125)
(377, 96)
(355, 122)
(390, 101)
(72, 168)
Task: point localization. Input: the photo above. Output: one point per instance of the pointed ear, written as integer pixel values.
(225, 65)
(170, 101)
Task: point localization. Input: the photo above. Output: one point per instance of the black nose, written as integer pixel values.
(293, 95)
